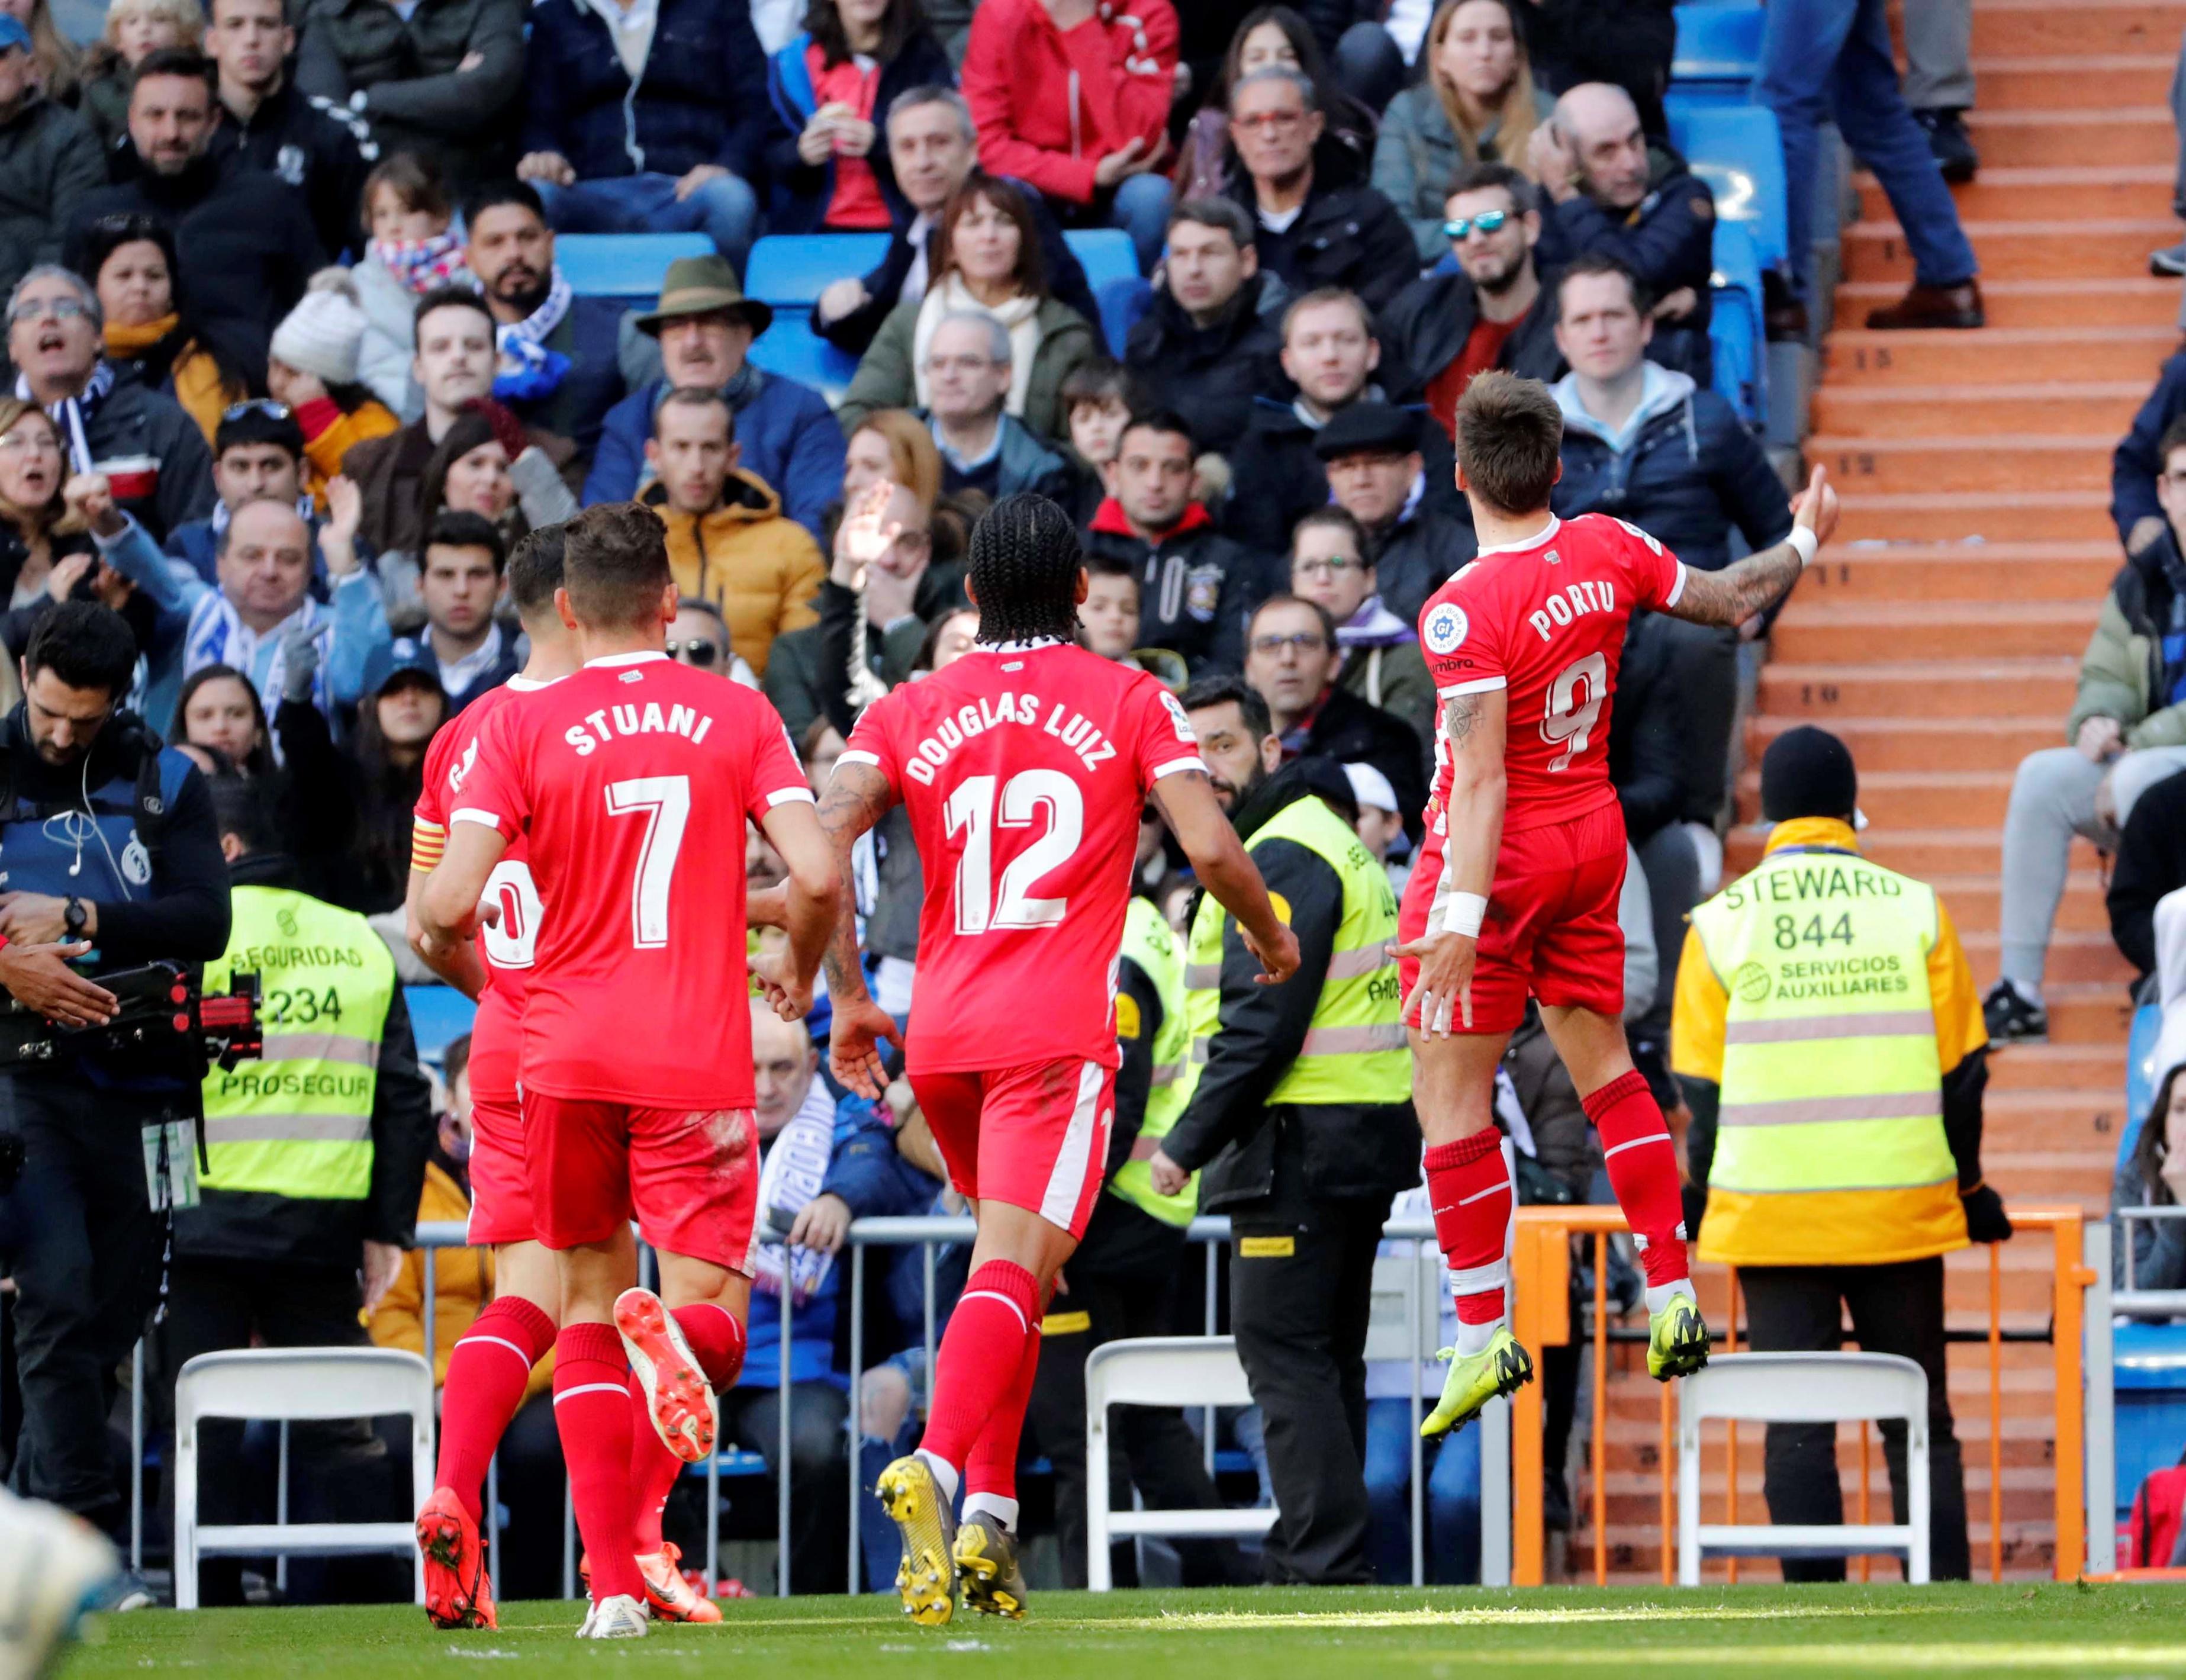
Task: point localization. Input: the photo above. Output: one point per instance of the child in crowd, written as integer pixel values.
(313, 367)
(1098, 398)
(412, 247)
(134, 30)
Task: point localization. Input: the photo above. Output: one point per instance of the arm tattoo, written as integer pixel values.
(1458, 716)
(858, 796)
(1731, 596)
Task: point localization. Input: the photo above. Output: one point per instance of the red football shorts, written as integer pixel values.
(1034, 1136)
(501, 1197)
(1551, 927)
(690, 1176)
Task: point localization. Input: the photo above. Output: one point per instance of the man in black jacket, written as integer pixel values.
(1307, 1183)
(1196, 586)
(1292, 659)
(1209, 342)
(1329, 354)
(266, 127)
(1496, 311)
(1377, 474)
(50, 158)
(2151, 862)
(933, 148)
(246, 253)
(1315, 230)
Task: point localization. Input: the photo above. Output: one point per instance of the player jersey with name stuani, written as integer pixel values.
(631, 781)
(1024, 767)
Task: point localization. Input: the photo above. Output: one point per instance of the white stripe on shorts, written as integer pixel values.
(1066, 1184)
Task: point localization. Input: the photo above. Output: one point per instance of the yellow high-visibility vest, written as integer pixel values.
(1829, 1144)
(1148, 942)
(1354, 1049)
(299, 1122)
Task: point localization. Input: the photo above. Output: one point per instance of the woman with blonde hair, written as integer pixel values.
(59, 61)
(893, 443)
(135, 30)
(1475, 102)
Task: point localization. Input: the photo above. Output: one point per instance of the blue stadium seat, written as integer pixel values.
(1106, 253)
(2139, 1075)
(623, 264)
(1718, 51)
(2149, 1371)
(791, 270)
(1739, 152)
(793, 350)
(1736, 338)
(438, 1014)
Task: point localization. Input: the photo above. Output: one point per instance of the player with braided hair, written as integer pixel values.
(1024, 766)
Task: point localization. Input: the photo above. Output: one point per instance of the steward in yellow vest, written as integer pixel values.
(1300, 1119)
(1828, 1038)
(1124, 1278)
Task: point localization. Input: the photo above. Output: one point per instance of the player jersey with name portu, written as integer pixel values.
(1024, 767)
(506, 947)
(1544, 619)
(631, 781)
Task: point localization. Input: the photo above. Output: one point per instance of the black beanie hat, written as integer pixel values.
(1806, 772)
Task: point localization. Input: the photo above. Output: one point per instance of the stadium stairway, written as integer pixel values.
(1941, 634)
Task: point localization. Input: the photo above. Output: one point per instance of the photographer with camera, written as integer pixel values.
(109, 860)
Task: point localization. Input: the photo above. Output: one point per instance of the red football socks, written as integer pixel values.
(489, 1369)
(592, 1416)
(1642, 1170)
(1469, 1188)
(716, 1339)
(980, 1356)
(990, 1475)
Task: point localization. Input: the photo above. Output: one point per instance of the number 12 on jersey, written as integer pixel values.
(971, 812)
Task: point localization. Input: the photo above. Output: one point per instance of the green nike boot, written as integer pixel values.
(1677, 1339)
(1475, 1379)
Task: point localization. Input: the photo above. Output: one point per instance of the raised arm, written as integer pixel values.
(1734, 595)
(858, 796)
(1224, 867)
(1473, 727)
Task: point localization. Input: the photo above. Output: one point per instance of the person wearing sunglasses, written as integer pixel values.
(1491, 310)
(699, 638)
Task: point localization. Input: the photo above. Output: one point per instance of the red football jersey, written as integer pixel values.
(631, 780)
(1546, 620)
(506, 948)
(1024, 769)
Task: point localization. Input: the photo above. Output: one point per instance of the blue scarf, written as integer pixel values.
(528, 372)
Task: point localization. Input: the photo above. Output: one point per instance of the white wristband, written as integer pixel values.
(1464, 914)
(1807, 543)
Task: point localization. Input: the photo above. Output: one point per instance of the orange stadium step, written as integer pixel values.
(2133, 298)
(2027, 250)
(2075, 954)
(2084, 138)
(1997, 356)
(1960, 571)
(1886, 633)
(2054, 193)
(1944, 456)
(1953, 516)
(1884, 743)
(1989, 688)
(2050, 1068)
(2051, 82)
(1927, 853)
(2062, 32)
(2093, 410)
(1927, 799)
(1973, 901)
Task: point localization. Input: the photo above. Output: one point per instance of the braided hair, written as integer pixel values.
(1023, 567)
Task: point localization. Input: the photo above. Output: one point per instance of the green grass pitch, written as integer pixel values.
(1872, 1632)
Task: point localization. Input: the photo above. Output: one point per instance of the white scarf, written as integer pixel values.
(1020, 315)
(70, 415)
(522, 344)
(795, 1168)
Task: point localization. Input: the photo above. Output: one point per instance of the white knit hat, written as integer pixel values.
(322, 333)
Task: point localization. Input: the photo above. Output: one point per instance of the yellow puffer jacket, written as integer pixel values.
(462, 1284)
(761, 568)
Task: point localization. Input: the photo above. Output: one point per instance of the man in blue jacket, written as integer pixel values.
(651, 124)
(785, 432)
(822, 1163)
(2138, 463)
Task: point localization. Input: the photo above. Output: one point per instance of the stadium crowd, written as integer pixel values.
(296, 370)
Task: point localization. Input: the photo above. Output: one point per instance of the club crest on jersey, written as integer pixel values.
(1445, 629)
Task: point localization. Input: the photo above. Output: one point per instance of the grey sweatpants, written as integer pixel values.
(2053, 797)
(1939, 44)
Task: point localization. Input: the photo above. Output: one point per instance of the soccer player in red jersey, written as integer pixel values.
(1516, 887)
(631, 781)
(1024, 765)
(491, 1363)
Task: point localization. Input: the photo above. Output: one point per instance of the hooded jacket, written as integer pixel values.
(1050, 103)
(1212, 375)
(1346, 234)
(1683, 468)
(759, 567)
(1197, 587)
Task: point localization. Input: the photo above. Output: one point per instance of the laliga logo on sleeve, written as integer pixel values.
(1445, 628)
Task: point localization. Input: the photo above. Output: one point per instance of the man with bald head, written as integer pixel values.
(967, 374)
(822, 1163)
(1609, 191)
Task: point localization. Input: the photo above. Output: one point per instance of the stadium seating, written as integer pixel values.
(789, 270)
(438, 1016)
(1738, 151)
(1736, 337)
(293, 1385)
(1718, 51)
(1802, 1388)
(2149, 1366)
(623, 264)
(1105, 253)
(791, 349)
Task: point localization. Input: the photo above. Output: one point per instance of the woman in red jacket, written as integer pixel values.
(1072, 96)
